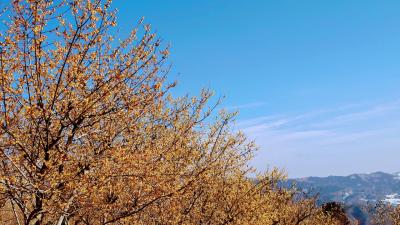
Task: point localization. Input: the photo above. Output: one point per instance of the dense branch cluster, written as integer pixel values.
(90, 135)
(384, 213)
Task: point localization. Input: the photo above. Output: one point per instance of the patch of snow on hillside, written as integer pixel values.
(367, 200)
(346, 195)
(393, 199)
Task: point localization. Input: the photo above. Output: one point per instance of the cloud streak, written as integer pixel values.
(326, 134)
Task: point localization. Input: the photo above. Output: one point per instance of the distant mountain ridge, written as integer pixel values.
(353, 189)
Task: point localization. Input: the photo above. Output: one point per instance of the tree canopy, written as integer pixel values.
(89, 133)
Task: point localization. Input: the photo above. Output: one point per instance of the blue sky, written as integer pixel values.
(317, 82)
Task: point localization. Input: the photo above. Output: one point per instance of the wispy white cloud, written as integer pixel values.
(327, 119)
(307, 118)
(368, 113)
(350, 130)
